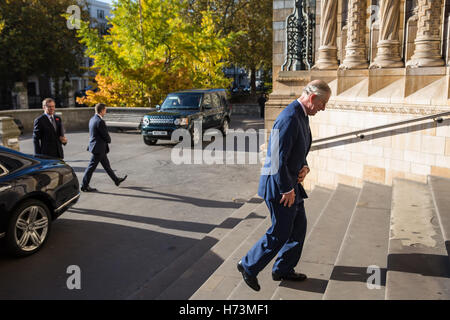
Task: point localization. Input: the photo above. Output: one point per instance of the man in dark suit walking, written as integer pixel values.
(280, 186)
(48, 132)
(98, 145)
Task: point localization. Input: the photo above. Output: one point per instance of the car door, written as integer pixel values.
(208, 112)
(217, 109)
(6, 196)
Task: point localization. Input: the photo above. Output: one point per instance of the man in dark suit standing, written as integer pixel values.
(48, 132)
(262, 103)
(98, 145)
(280, 186)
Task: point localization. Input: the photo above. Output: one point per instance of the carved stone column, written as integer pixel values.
(328, 28)
(356, 51)
(427, 52)
(388, 54)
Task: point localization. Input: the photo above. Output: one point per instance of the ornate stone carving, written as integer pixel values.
(390, 108)
(388, 54)
(356, 56)
(427, 52)
(328, 30)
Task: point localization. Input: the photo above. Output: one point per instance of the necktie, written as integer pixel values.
(53, 122)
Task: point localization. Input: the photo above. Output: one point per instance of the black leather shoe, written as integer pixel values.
(120, 180)
(252, 282)
(88, 189)
(294, 276)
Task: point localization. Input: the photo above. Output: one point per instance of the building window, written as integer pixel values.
(101, 14)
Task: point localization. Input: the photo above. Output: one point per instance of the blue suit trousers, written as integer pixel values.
(285, 237)
(95, 160)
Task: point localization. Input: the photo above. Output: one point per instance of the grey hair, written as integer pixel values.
(319, 88)
(47, 100)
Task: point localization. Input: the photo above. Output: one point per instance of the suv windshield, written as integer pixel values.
(186, 100)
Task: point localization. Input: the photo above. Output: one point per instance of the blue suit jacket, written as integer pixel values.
(46, 139)
(98, 135)
(285, 158)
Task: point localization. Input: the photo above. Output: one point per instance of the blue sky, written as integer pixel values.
(107, 1)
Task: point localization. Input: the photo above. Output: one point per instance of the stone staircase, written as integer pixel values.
(395, 240)
(377, 242)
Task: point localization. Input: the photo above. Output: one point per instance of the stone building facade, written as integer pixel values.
(386, 61)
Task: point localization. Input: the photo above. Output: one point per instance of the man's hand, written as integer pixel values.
(63, 140)
(288, 199)
(302, 174)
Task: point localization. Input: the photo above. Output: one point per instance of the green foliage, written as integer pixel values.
(151, 49)
(2, 24)
(35, 40)
(253, 48)
(250, 20)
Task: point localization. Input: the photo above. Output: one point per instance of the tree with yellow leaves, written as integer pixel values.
(151, 50)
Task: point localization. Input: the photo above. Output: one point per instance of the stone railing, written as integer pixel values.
(73, 118)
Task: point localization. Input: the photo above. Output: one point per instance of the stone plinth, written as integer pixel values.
(381, 78)
(349, 78)
(419, 78)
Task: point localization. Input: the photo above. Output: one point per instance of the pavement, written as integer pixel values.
(121, 237)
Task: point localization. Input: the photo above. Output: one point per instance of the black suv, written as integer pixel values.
(181, 109)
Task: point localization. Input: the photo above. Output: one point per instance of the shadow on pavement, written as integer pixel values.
(206, 203)
(169, 224)
(114, 260)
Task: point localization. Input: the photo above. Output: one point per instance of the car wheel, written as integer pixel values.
(225, 127)
(28, 228)
(150, 141)
(195, 136)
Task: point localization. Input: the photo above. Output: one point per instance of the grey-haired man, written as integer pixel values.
(282, 189)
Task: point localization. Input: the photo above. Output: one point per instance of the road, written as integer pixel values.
(121, 237)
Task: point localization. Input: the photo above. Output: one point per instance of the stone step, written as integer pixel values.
(163, 279)
(189, 279)
(365, 244)
(321, 248)
(440, 190)
(315, 204)
(226, 278)
(241, 291)
(418, 265)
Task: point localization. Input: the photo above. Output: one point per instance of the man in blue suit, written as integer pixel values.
(280, 186)
(98, 145)
(48, 132)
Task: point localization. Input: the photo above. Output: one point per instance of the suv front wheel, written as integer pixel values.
(150, 141)
(196, 136)
(225, 126)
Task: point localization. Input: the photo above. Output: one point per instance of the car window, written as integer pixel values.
(207, 103)
(183, 100)
(215, 100)
(12, 162)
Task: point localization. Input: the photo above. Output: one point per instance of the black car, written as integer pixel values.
(181, 109)
(33, 192)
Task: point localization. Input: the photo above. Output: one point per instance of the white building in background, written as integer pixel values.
(39, 87)
(99, 11)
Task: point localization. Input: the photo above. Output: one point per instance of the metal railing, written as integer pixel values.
(359, 135)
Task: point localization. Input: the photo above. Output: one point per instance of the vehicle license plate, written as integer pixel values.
(160, 133)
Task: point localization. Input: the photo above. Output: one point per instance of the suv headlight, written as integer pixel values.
(146, 121)
(181, 121)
